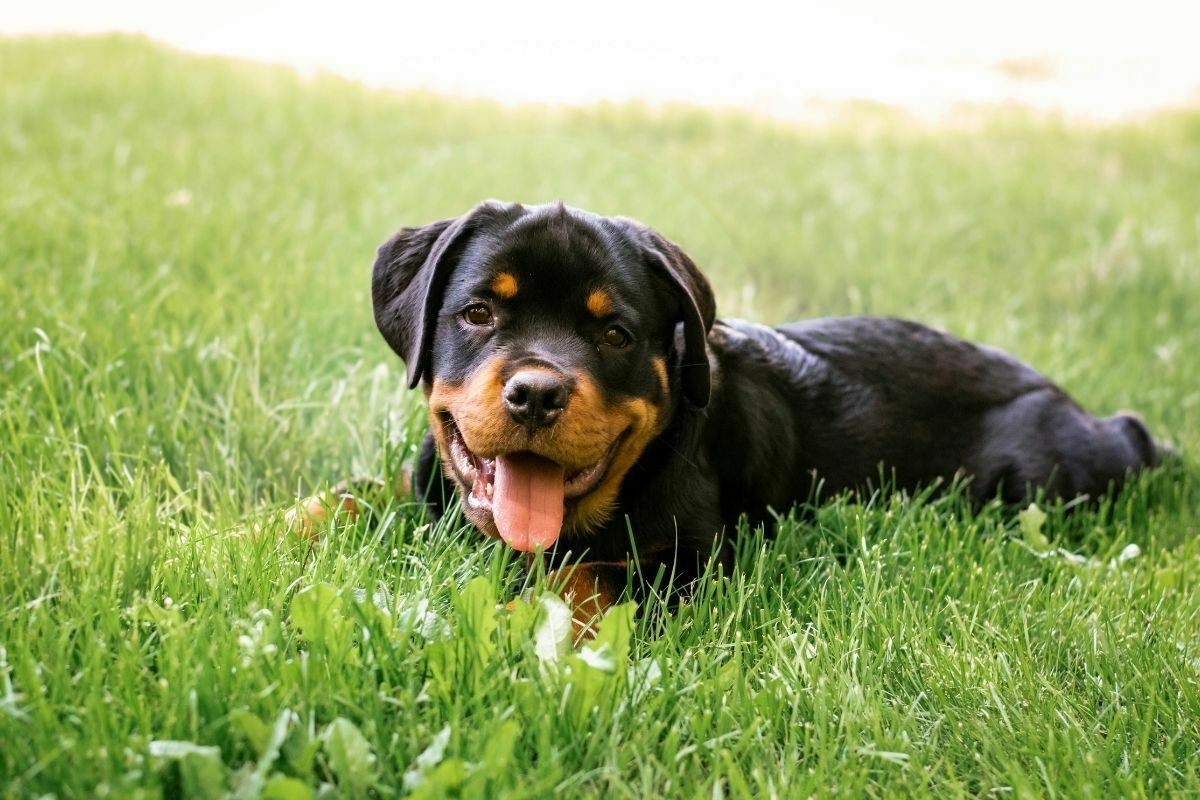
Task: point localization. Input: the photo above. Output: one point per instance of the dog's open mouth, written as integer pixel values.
(524, 494)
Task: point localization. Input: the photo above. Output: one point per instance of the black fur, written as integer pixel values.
(759, 418)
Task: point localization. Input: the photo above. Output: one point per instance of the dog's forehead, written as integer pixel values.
(549, 258)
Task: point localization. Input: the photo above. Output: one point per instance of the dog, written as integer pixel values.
(584, 399)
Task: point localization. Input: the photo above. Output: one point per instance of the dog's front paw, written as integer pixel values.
(347, 500)
(308, 516)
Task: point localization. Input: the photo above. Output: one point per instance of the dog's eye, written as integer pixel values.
(615, 337)
(478, 314)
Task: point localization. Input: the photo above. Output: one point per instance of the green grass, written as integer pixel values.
(187, 344)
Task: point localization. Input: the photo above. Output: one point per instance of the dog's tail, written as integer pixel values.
(1167, 452)
(1154, 452)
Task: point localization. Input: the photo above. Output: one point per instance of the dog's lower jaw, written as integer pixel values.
(590, 493)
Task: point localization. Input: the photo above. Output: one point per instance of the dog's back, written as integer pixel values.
(868, 398)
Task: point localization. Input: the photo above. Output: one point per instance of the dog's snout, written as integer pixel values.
(536, 397)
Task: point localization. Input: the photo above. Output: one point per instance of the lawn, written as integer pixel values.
(187, 345)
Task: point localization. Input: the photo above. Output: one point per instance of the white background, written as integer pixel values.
(1092, 60)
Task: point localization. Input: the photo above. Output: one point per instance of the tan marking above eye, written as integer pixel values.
(599, 304)
(504, 285)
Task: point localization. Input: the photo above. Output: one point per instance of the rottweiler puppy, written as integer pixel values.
(584, 400)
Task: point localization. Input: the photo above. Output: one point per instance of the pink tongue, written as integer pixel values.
(527, 502)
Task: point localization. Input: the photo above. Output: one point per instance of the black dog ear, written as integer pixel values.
(409, 278)
(398, 289)
(698, 307)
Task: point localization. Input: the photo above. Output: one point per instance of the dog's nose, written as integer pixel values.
(536, 397)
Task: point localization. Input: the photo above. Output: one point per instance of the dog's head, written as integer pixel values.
(553, 345)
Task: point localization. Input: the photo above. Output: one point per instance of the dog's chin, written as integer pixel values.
(475, 477)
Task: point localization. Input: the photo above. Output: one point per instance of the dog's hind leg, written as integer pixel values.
(1044, 441)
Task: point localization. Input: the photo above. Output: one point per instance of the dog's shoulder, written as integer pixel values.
(743, 346)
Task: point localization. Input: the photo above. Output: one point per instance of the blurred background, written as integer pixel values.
(193, 193)
(931, 57)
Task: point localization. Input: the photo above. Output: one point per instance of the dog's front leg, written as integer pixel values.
(350, 498)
